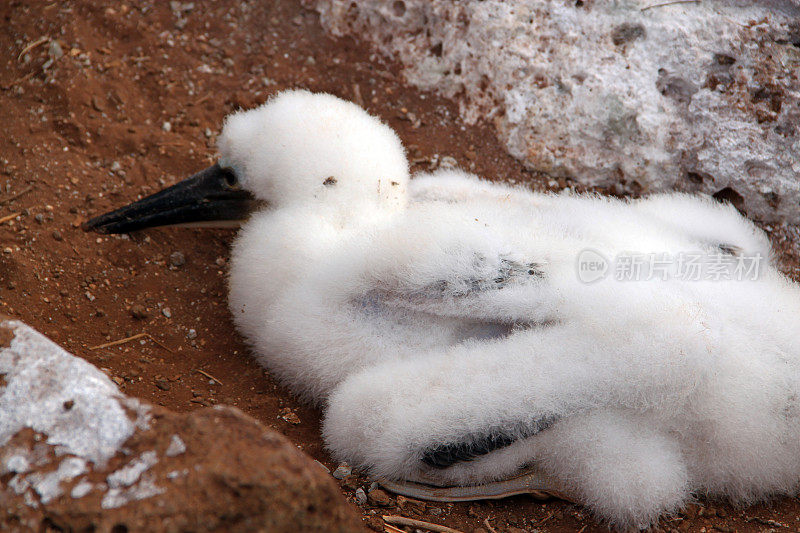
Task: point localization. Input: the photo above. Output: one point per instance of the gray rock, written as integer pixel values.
(177, 259)
(342, 471)
(55, 51)
(639, 96)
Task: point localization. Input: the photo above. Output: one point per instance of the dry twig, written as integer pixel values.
(403, 521)
(209, 376)
(33, 45)
(545, 519)
(118, 342)
(129, 339)
(160, 344)
(201, 100)
(17, 81)
(489, 526)
(15, 196)
(9, 217)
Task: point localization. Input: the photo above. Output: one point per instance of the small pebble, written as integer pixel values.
(361, 496)
(350, 483)
(448, 162)
(177, 259)
(57, 235)
(380, 498)
(342, 471)
(89, 296)
(407, 504)
(166, 126)
(191, 335)
(38, 217)
(375, 523)
(289, 416)
(55, 50)
(138, 312)
(167, 312)
(162, 384)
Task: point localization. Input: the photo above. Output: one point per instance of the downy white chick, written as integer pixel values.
(448, 329)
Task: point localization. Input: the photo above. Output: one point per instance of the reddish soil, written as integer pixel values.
(128, 101)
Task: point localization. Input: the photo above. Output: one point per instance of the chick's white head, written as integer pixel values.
(305, 148)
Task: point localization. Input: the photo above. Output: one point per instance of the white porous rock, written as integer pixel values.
(699, 97)
(69, 401)
(72, 407)
(75, 453)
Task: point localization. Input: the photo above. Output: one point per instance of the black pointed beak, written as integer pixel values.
(212, 197)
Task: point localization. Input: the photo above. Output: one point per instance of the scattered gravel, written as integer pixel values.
(289, 416)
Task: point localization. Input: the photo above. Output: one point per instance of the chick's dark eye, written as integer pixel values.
(230, 178)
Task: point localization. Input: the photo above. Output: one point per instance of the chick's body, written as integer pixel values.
(445, 326)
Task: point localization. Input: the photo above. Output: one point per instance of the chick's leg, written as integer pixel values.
(621, 465)
(460, 416)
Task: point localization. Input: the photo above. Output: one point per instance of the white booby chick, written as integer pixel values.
(449, 330)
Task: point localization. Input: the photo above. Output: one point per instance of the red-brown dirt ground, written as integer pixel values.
(102, 105)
